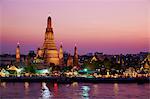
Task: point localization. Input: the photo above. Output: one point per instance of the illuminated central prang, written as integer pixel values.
(49, 51)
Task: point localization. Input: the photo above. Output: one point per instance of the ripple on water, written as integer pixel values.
(73, 91)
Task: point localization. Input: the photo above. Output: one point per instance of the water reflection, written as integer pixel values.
(3, 84)
(85, 92)
(74, 84)
(26, 86)
(74, 91)
(95, 89)
(55, 89)
(116, 89)
(45, 92)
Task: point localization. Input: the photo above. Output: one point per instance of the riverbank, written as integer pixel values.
(75, 79)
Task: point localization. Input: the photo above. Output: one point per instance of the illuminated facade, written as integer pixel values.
(146, 62)
(18, 53)
(49, 51)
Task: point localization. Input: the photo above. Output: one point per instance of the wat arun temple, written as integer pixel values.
(48, 52)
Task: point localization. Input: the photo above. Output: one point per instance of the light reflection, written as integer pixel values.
(3, 84)
(74, 84)
(26, 86)
(116, 89)
(85, 90)
(45, 92)
(95, 91)
(55, 89)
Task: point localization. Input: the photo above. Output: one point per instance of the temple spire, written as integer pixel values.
(61, 58)
(18, 53)
(49, 51)
(49, 23)
(75, 60)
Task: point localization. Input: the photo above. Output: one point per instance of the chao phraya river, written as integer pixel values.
(75, 90)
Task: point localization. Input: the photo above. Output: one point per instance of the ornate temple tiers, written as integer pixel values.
(49, 51)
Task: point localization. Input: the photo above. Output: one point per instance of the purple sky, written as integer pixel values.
(109, 26)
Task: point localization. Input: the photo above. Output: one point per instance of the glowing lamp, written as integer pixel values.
(85, 69)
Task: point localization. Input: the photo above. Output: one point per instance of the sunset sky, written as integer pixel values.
(109, 26)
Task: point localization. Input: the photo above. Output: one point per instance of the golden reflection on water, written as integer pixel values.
(74, 84)
(3, 84)
(95, 87)
(26, 86)
(116, 89)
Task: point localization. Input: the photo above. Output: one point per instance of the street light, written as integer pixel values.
(85, 70)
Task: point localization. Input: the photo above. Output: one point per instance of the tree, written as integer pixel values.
(30, 69)
(92, 65)
(67, 68)
(107, 63)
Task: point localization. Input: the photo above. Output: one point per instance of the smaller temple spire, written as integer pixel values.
(75, 60)
(61, 57)
(18, 53)
(75, 50)
(39, 53)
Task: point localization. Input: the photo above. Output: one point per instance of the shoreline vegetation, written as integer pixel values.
(75, 79)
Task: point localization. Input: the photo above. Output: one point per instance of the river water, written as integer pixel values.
(74, 91)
